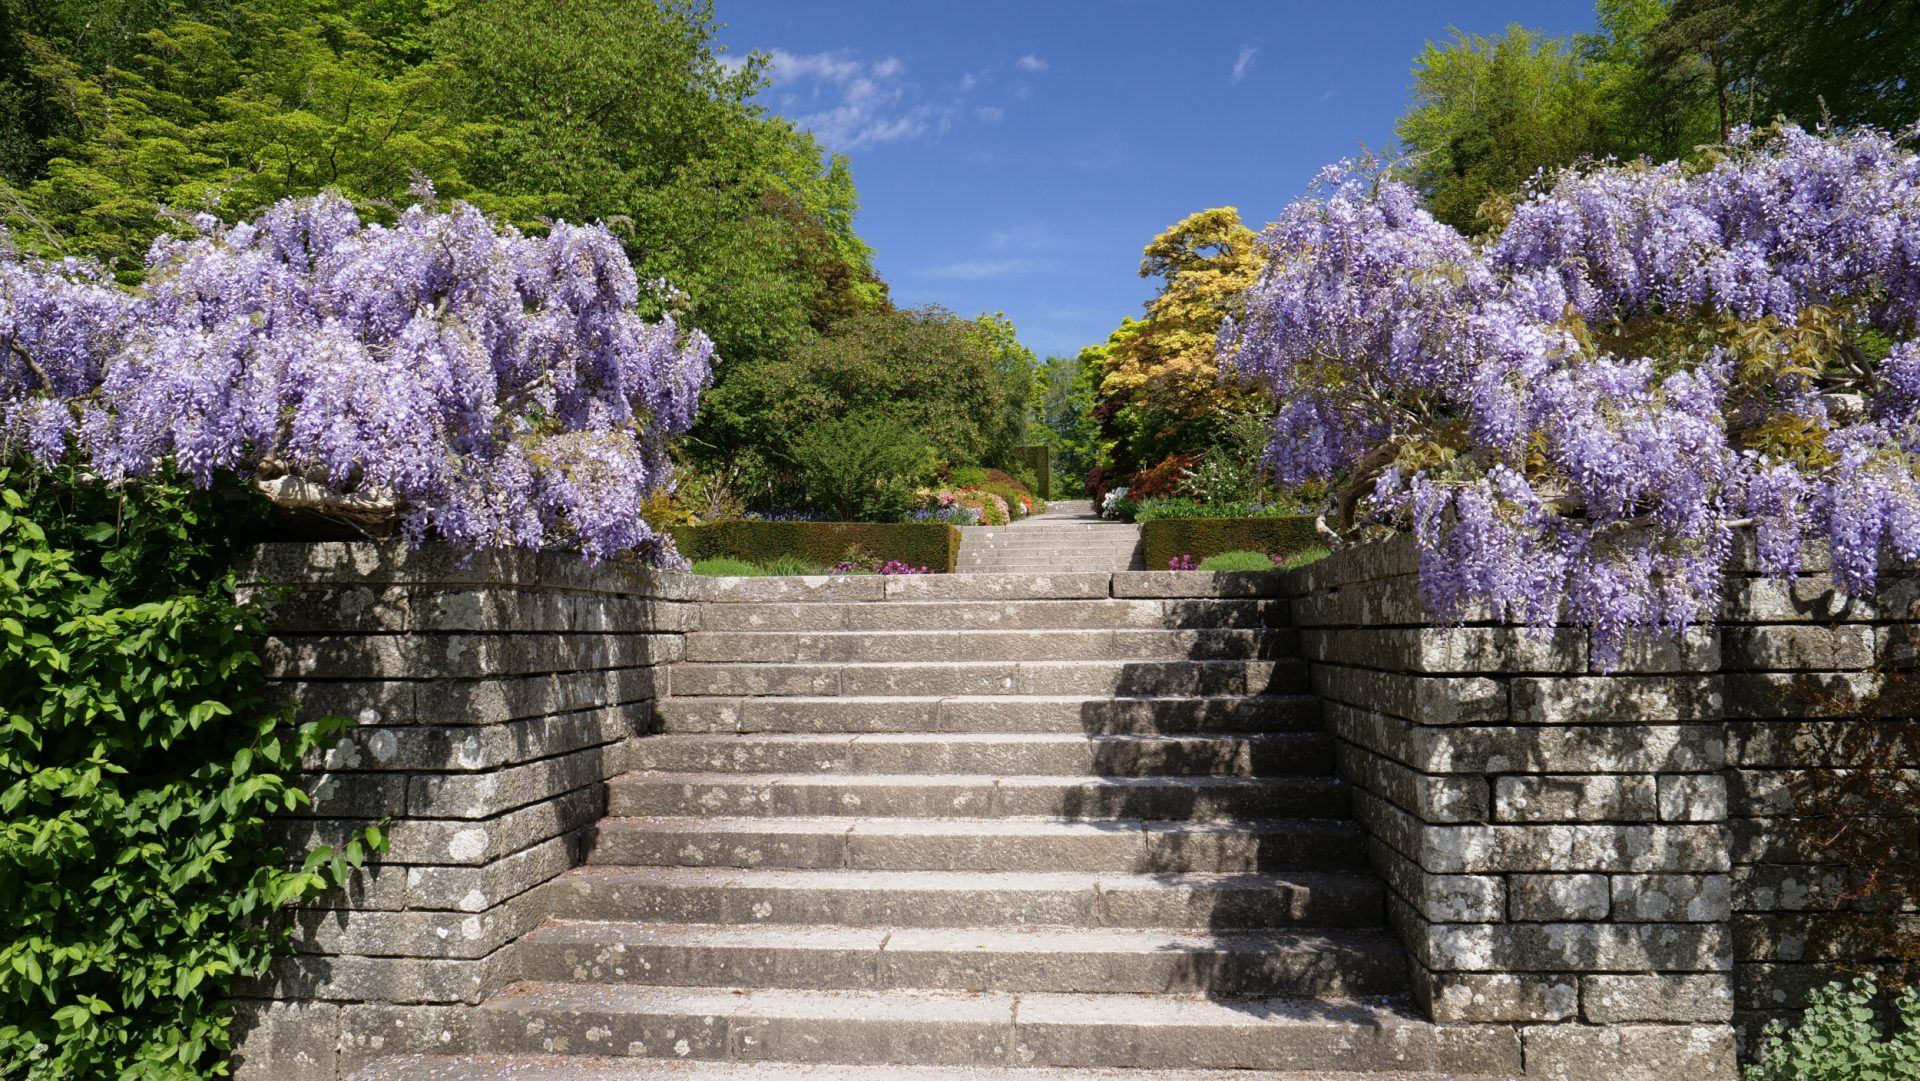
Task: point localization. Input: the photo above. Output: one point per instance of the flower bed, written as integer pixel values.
(933, 545)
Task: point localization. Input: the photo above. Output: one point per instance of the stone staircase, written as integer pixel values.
(1067, 536)
(988, 827)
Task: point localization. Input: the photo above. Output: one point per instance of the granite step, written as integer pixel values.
(1109, 677)
(1121, 846)
(1086, 714)
(1063, 585)
(920, 1028)
(990, 645)
(1114, 614)
(996, 753)
(1185, 799)
(968, 899)
(599, 1068)
(1299, 963)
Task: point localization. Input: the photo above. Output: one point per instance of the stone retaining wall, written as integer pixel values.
(1611, 862)
(493, 699)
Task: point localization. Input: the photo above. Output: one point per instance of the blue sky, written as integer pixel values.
(1017, 156)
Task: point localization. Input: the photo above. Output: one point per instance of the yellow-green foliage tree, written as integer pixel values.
(1160, 386)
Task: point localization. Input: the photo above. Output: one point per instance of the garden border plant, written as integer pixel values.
(140, 764)
(1161, 539)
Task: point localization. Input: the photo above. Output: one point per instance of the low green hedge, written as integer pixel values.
(923, 544)
(1163, 538)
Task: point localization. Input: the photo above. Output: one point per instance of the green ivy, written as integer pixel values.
(139, 767)
(1837, 1039)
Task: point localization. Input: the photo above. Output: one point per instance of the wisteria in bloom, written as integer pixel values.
(486, 387)
(1577, 417)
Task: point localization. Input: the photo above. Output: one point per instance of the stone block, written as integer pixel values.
(1691, 748)
(1441, 898)
(1426, 700)
(1198, 584)
(1808, 599)
(1697, 797)
(1698, 649)
(378, 1030)
(1575, 947)
(1672, 898)
(1575, 798)
(1617, 849)
(285, 1041)
(1774, 648)
(1623, 999)
(483, 795)
(1629, 1052)
(1796, 695)
(1558, 898)
(1616, 699)
(1488, 1050)
(1430, 798)
(1496, 996)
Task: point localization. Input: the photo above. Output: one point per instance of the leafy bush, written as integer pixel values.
(139, 765)
(935, 374)
(1162, 480)
(1238, 561)
(1837, 1039)
(863, 468)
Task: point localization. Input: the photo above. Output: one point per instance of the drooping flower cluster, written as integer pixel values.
(490, 388)
(1576, 416)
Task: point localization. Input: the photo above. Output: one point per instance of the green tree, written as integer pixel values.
(927, 367)
(623, 112)
(1488, 113)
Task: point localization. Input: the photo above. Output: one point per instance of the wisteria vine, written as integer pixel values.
(1578, 416)
(479, 385)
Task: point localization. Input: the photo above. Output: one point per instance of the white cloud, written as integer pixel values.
(1027, 237)
(1244, 63)
(976, 269)
(849, 102)
(1031, 63)
(990, 114)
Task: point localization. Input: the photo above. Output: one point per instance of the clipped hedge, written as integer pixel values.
(935, 545)
(1163, 538)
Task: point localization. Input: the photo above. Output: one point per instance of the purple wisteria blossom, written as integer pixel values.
(1575, 416)
(486, 387)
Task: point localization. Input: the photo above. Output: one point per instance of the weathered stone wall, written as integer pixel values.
(1802, 664)
(1610, 861)
(493, 698)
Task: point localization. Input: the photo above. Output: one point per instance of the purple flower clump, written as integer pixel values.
(1502, 400)
(493, 389)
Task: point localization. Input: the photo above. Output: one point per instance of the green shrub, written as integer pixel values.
(822, 544)
(1302, 558)
(791, 566)
(139, 766)
(863, 468)
(1163, 538)
(727, 567)
(1837, 1039)
(1237, 561)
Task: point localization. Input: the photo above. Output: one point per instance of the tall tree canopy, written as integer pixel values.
(1659, 79)
(120, 116)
